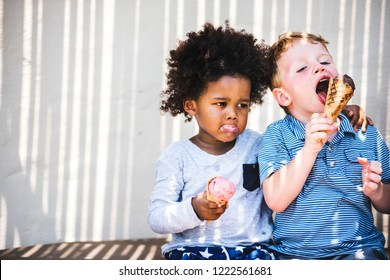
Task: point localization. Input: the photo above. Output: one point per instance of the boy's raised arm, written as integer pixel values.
(284, 185)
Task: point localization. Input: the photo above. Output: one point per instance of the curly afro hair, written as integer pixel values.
(207, 55)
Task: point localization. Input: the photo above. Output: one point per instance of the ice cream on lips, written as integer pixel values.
(230, 129)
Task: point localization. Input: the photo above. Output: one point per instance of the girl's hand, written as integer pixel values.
(207, 210)
(371, 176)
(317, 131)
(357, 117)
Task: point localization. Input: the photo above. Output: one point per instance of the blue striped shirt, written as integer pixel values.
(331, 215)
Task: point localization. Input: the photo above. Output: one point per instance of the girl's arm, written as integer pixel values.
(357, 117)
(169, 211)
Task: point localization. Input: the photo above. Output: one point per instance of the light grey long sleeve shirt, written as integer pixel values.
(182, 172)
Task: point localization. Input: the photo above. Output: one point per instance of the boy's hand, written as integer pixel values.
(317, 131)
(207, 210)
(358, 117)
(371, 176)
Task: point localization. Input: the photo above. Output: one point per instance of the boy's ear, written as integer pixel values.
(281, 96)
(190, 107)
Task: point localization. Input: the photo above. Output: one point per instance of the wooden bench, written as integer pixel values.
(139, 249)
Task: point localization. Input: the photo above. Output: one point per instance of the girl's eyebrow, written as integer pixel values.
(228, 99)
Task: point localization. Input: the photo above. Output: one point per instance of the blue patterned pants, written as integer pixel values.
(254, 252)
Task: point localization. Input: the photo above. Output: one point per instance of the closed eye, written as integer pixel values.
(301, 69)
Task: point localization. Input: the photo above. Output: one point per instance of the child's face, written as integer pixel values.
(222, 109)
(301, 69)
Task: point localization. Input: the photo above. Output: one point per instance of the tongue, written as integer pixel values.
(322, 96)
(229, 128)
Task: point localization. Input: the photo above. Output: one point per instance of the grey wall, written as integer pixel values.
(80, 126)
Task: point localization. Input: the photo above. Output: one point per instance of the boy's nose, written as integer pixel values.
(318, 69)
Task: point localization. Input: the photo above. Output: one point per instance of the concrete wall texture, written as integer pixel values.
(80, 127)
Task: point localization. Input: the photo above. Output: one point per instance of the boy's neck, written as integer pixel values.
(332, 135)
(334, 132)
(303, 118)
(215, 148)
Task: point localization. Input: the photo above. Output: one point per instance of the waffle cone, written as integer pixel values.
(212, 198)
(339, 93)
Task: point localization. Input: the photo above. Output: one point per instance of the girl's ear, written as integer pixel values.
(190, 107)
(281, 96)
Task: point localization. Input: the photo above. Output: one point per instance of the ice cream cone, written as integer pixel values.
(219, 190)
(340, 91)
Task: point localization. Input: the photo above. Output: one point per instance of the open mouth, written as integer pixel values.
(322, 89)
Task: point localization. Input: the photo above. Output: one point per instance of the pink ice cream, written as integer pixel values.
(220, 190)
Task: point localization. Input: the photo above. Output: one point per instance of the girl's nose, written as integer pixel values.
(231, 114)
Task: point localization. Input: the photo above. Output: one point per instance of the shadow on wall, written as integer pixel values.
(22, 215)
(68, 129)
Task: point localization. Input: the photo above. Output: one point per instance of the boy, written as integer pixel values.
(320, 177)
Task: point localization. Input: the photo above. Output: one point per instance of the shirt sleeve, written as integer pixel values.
(273, 153)
(168, 212)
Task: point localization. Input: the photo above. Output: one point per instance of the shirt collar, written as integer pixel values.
(296, 126)
(345, 128)
(299, 127)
